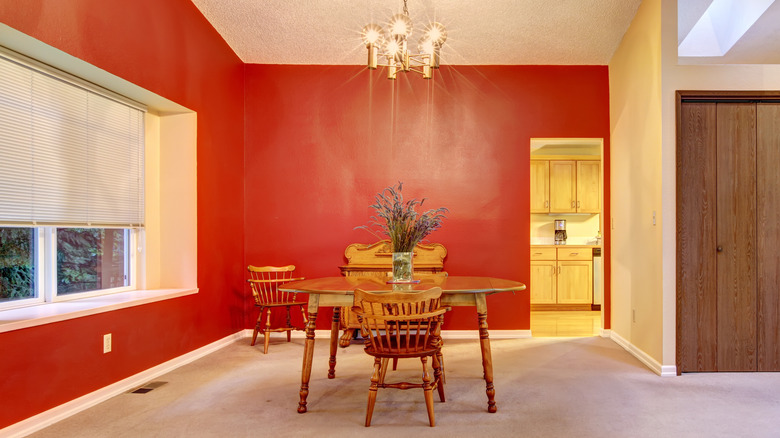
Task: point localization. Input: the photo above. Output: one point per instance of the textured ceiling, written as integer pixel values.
(503, 32)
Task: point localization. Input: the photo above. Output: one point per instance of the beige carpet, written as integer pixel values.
(545, 387)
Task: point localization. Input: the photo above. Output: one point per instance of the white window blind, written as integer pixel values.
(68, 155)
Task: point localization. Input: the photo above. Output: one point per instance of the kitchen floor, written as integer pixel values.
(549, 324)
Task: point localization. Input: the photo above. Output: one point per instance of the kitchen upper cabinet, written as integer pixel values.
(565, 186)
(540, 186)
(588, 186)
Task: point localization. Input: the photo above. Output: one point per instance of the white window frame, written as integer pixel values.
(167, 252)
(45, 235)
(45, 255)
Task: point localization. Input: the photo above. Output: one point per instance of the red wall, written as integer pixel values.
(316, 143)
(322, 140)
(169, 48)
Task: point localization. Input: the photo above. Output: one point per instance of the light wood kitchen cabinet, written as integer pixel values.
(588, 187)
(565, 186)
(540, 186)
(561, 277)
(543, 279)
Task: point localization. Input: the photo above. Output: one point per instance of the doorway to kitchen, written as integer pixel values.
(566, 280)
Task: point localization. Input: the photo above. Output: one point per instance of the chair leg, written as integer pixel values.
(440, 358)
(372, 390)
(267, 332)
(258, 325)
(438, 376)
(383, 371)
(395, 363)
(305, 320)
(289, 324)
(428, 390)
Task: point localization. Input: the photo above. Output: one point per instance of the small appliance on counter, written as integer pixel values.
(560, 232)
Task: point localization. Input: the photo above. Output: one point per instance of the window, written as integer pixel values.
(71, 185)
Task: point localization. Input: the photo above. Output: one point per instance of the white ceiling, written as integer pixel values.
(497, 32)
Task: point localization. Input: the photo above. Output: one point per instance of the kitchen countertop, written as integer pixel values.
(572, 241)
(568, 245)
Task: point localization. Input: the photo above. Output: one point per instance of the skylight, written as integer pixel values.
(721, 26)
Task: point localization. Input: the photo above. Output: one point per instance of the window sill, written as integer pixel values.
(24, 317)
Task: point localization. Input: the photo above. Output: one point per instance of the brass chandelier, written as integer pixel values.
(391, 44)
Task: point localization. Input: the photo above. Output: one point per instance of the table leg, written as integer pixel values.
(487, 358)
(334, 342)
(308, 351)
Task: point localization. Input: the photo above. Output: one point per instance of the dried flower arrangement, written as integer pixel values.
(399, 220)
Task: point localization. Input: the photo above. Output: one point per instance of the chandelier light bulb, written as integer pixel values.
(372, 34)
(425, 45)
(400, 24)
(393, 47)
(437, 33)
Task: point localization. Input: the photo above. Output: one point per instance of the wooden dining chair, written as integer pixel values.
(265, 282)
(399, 325)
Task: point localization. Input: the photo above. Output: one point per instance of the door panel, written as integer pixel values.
(540, 186)
(736, 235)
(588, 186)
(696, 247)
(563, 187)
(543, 282)
(575, 282)
(768, 236)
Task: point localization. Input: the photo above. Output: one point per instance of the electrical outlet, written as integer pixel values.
(633, 315)
(107, 343)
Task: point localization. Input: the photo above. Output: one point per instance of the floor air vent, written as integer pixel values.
(147, 387)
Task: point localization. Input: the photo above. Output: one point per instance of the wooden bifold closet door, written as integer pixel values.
(728, 238)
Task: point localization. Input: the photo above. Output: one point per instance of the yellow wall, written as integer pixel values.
(635, 117)
(689, 77)
(644, 75)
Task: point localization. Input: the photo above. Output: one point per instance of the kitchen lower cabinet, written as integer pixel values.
(561, 278)
(575, 282)
(544, 280)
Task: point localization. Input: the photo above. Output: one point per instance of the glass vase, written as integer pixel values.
(403, 269)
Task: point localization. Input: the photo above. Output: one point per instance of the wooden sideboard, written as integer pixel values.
(376, 260)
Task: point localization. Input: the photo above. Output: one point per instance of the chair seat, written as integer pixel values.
(282, 304)
(396, 349)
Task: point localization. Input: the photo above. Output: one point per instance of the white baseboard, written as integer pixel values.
(494, 334)
(65, 410)
(661, 370)
(446, 334)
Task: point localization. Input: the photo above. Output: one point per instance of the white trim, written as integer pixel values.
(65, 410)
(31, 316)
(445, 334)
(494, 334)
(661, 370)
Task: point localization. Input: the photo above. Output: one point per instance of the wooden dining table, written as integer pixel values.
(337, 292)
